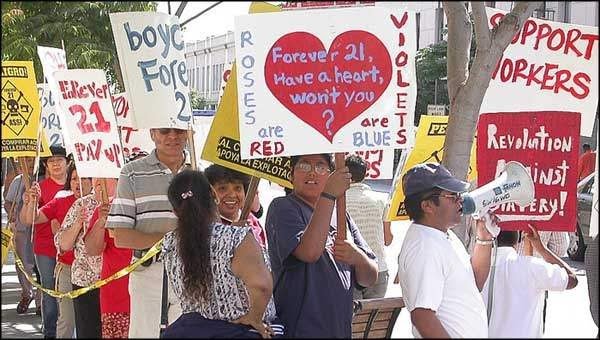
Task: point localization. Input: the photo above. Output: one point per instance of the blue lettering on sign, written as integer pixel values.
(371, 139)
(149, 37)
(168, 72)
(247, 63)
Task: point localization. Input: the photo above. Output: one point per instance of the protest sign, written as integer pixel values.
(547, 144)
(20, 109)
(50, 119)
(85, 98)
(222, 145)
(380, 163)
(429, 147)
(342, 81)
(44, 150)
(151, 55)
(52, 60)
(548, 66)
(132, 139)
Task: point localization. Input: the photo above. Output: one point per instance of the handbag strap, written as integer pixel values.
(164, 308)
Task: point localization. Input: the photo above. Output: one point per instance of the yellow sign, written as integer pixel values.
(222, 144)
(429, 147)
(44, 148)
(20, 109)
(6, 242)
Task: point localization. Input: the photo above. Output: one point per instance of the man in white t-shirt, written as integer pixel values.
(367, 210)
(440, 283)
(519, 285)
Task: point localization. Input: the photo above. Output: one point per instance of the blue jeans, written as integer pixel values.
(46, 266)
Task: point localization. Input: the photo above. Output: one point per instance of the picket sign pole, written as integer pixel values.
(190, 139)
(340, 162)
(104, 191)
(25, 172)
(249, 197)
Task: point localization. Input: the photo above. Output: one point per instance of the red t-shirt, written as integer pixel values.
(586, 165)
(57, 209)
(43, 239)
(254, 224)
(114, 296)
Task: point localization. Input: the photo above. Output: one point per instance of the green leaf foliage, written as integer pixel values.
(84, 27)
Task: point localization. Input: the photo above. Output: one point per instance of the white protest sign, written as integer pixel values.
(50, 119)
(342, 81)
(151, 55)
(549, 66)
(132, 139)
(85, 99)
(52, 60)
(380, 163)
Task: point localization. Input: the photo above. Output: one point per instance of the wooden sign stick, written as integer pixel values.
(192, 148)
(104, 191)
(249, 197)
(25, 172)
(340, 204)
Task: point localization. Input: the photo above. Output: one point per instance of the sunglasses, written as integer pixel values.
(455, 197)
(320, 169)
(166, 131)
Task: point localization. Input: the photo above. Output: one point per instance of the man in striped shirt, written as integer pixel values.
(139, 217)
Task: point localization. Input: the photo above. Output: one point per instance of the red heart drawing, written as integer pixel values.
(328, 89)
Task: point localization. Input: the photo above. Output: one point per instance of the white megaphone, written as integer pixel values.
(513, 185)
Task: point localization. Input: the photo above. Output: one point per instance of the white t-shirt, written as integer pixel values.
(435, 273)
(519, 285)
(367, 212)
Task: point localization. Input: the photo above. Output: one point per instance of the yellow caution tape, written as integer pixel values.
(6, 242)
(75, 293)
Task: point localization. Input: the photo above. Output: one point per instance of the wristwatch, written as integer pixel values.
(484, 242)
(327, 195)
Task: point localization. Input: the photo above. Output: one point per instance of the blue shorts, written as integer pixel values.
(194, 325)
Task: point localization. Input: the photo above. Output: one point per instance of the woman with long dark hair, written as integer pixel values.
(218, 272)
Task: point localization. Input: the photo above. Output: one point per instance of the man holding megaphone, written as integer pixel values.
(441, 284)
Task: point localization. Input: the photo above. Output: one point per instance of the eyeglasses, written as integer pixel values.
(455, 197)
(166, 131)
(320, 169)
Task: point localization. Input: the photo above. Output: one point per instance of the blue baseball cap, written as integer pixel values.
(426, 176)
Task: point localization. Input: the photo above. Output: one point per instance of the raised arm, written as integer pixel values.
(549, 256)
(312, 243)
(482, 253)
(94, 240)
(71, 227)
(29, 213)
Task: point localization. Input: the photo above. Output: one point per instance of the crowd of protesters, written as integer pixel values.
(221, 274)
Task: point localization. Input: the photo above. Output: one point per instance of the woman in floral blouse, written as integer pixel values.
(217, 272)
(86, 268)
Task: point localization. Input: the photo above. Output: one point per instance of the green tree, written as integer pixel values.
(198, 102)
(431, 66)
(84, 27)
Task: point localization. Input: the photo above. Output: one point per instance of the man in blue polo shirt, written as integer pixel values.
(314, 272)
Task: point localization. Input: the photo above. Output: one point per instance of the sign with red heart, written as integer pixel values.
(328, 88)
(342, 81)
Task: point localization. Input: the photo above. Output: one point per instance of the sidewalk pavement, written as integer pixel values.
(24, 326)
